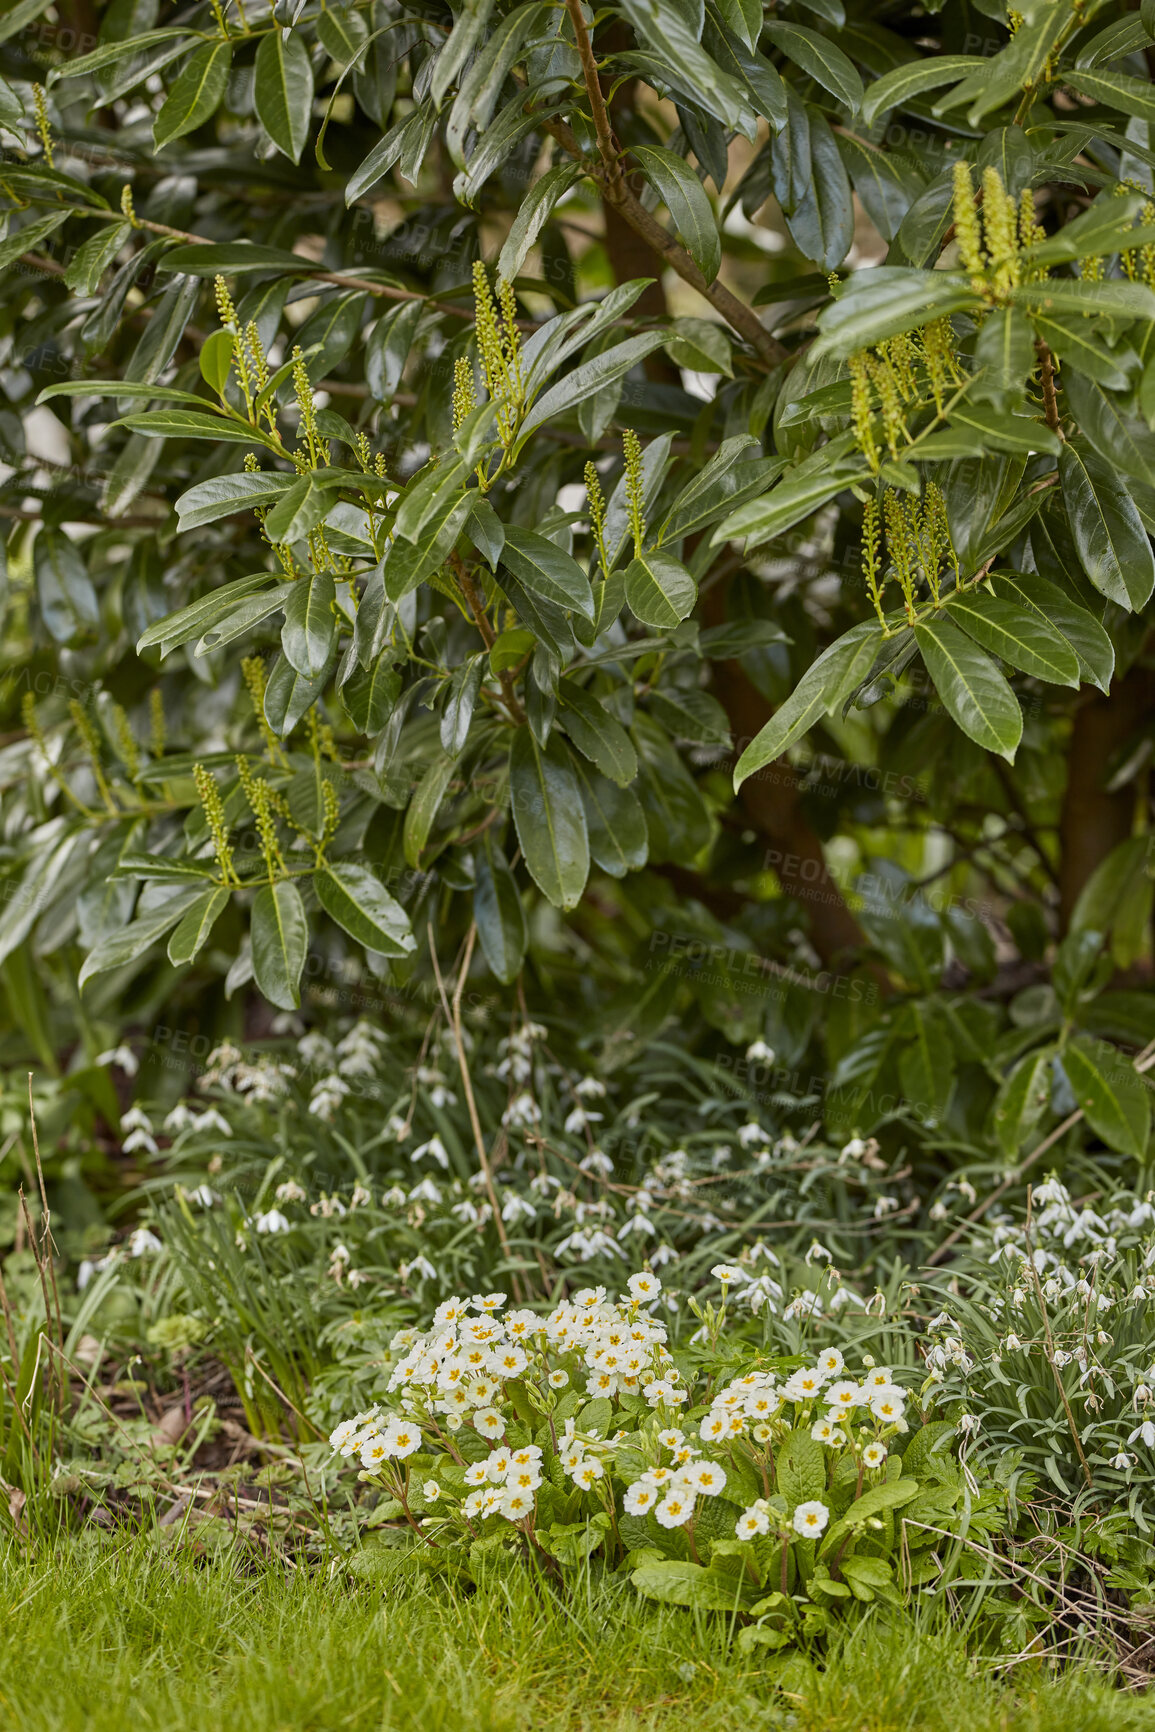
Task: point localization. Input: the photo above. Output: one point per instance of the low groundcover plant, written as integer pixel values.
(787, 1493)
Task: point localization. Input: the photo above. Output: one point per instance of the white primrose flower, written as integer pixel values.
(705, 1478)
(831, 1362)
(402, 1437)
(874, 1454)
(802, 1386)
(810, 1519)
(516, 1505)
(644, 1287)
(588, 1472)
(845, 1396)
(488, 1422)
(727, 1274)
(639, 1498)
(431, 1491)
(887, 1404)
(675, 1509)
(824, 1431)
(477, 1473)
(558, 1379)
(751, 1523)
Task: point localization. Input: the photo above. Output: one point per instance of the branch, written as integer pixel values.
(616, 191)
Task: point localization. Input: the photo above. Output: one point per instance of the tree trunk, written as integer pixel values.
(1093, 821)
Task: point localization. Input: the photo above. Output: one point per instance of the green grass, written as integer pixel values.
(125, 1637)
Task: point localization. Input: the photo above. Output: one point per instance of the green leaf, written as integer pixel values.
(533, 213)
(588, 379)
(659, 589)
(898, 86)
(194, 928)
(371, 694)
(825, 63)
(231, 258)
(310, 628)
(91, 260)
(289, 695)
(822, 221)
(688, 203)
(280, 940)
(1113, 1097)
(1132, 96)
(1016, 635)
(221, 495)
(800, 1468)
(1117, 898)
(283, 90)
(1112, 544)
(200, 616)
(800, 492)
(826, 683)
(596, 734)
(926, 1062)
(1019, 435)
(300, 509)
(188, 424)
(68, 604)
(134, 940)
(457, 716)
(1055, 609)
(1102, 299)
(1022, 1100)
(497, 909)
(615, 823)
(1077, 343)
(549, 817)
(357, 900)
(425, 805)
(886, 301)
(196, 94)
(546, 570)
(974, 691)
(1005, 358)
(679, 1583)
(216, 360)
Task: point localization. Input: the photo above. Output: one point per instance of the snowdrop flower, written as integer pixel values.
(1013, 1344)
(212, 1120)
(141, 1242)
(204, 1195)
(1145, 1433)
(803, 1304)
(124, 1059)
(517, 1208)
(818, 1253)
(290, 1192)
(421, 1267)
(751, 1134)
(1123, 1461)
(810, 1519)
(759, 1053)
(428, 1191)
(436, 1151)
(360, 1198)
(181, 1118)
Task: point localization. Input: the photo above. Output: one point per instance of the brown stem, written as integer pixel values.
(1050, 396)
(476, 602)
(616, 191)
